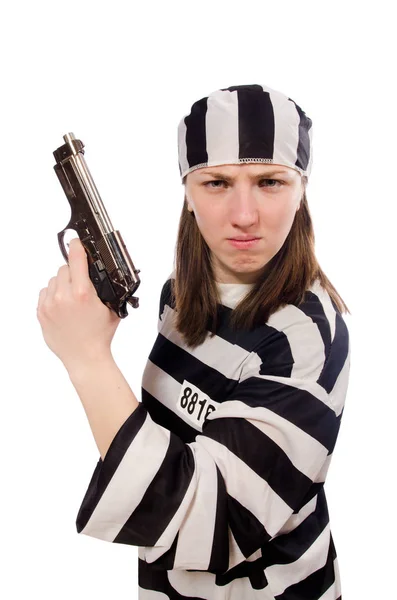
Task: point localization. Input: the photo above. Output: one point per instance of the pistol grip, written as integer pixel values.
(101, 282)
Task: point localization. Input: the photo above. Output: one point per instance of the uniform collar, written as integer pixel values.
(232, 293)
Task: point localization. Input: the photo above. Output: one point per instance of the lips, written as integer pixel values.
(242, 238)
(244, 243)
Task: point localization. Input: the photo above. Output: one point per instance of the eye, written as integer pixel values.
(208, 183)
(275, 180)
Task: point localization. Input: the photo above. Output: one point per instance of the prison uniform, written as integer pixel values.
(218, 476)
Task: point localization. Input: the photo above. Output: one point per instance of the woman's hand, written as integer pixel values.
(76, 325)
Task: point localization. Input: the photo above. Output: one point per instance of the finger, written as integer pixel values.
(42, 296)
(51, 288)
(63, 284)
(64, 279)
(78, 265)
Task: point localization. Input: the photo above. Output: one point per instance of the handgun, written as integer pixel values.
(111, 269)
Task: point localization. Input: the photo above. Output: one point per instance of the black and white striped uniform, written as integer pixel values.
(218, 475)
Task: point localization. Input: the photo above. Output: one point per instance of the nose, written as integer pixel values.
(243, 207)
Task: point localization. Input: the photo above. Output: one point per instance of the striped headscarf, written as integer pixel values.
(242, 124)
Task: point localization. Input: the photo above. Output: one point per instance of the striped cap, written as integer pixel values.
(242, 124)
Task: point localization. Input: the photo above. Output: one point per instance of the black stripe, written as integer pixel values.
(181, 365)
(256, 125)
(252, 569)
(313, 491)
(165, 417)
(289, 547)
(275, 354)
(196, 141)
(248, 531)
(262, 455)
(219, 560)
(248, 340)
(167, 560)
(162, 497)
(296, 405)
(314, 586)
(337, 356)
(152, 578)
(303, 150)
(105, 470)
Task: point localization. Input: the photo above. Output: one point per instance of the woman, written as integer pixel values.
(218, 474)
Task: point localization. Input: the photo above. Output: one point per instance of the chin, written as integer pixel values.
(247, 265)
(246, 273)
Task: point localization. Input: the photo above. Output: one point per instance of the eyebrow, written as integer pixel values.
(257, 176)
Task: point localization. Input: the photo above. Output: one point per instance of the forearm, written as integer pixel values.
(106, 397)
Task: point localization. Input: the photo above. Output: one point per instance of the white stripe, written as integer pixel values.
(163, 387)
(196, 534)
(182, 145)
(321, 475)
(286, 128)
(130, 481)
(166, 539)
(225, 357)
(339, 391)
(221, 124)
(247, 487)
(305, 453)
(281, 577)
(298, 518)
(304, 338)
(316, 390)
(235, 554)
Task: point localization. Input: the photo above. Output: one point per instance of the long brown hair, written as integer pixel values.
(284, 280)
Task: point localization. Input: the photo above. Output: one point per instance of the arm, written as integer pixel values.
(105, 394)
(249, 477)
(106, 397)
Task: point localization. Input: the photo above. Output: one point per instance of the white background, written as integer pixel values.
(120, 76)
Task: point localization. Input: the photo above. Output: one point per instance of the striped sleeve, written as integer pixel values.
(261, 458)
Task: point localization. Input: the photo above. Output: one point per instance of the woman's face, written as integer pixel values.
(237, 202)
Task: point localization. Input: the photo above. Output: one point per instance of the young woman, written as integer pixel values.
(218, 474)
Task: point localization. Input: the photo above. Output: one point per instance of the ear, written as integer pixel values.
(187, 204)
